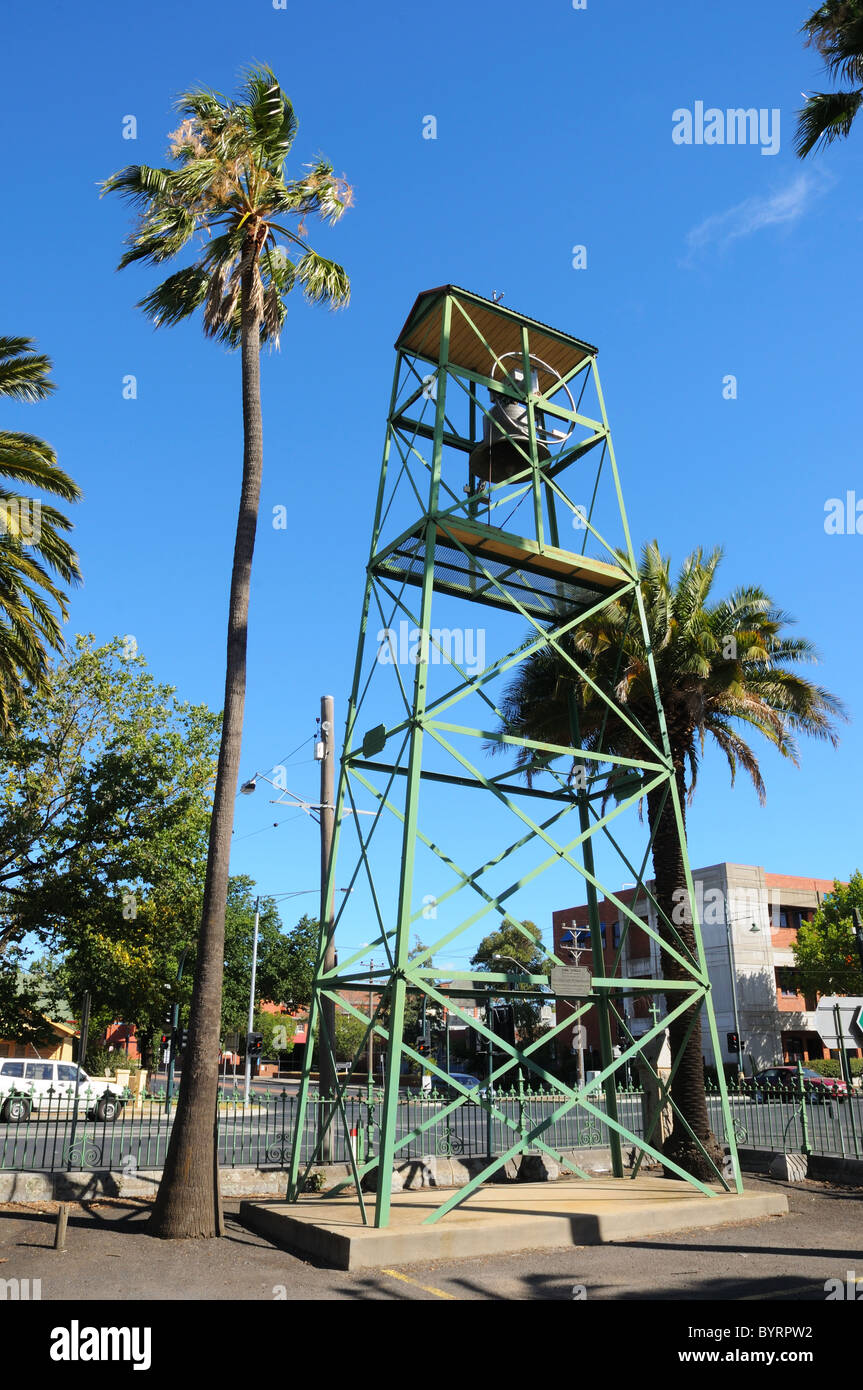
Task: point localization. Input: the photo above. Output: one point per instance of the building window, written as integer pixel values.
(616, 935)
(786, 983)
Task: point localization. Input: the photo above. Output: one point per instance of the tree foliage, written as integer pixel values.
(285, 960)
(35, 557)
(521, 943)
(725, 668)
(825, 951)
(835, 29)
(230, 198)
(105, 791)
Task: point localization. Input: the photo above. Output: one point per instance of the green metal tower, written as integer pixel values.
(491, 413)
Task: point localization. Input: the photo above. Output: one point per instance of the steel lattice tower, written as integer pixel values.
(490, 414)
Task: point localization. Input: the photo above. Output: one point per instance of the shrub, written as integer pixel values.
(831, 1066)
(99, 1058)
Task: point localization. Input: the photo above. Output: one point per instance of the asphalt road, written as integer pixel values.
(788, 1259)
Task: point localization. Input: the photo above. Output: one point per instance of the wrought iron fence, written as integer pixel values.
(52, 1136)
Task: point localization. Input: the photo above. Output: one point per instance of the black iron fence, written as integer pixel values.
(49, 1136)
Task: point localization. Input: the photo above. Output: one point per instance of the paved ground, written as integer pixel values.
(109, 1255)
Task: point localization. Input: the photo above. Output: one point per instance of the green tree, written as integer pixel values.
(278, 1030)
(350, 1032)
(835, 29)
(34, 554)
(826, 952)
(510, 943)
(26, 1000)
(286, 960)
(229, 197)
(105, 793)
(723, 666)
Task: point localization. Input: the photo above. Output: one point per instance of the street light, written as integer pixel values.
(497, 956)
(732, 962)
(310, 807)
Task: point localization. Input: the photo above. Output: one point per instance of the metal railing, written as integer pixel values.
(53, 1137)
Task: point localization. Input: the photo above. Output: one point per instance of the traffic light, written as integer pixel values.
(503, 1023)
(733, 1040)
(182, 1042)
(254, 1044)
(423, 1046)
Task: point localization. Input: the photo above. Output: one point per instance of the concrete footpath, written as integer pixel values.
(499, 1219)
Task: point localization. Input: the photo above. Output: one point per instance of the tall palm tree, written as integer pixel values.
(836, 30)
(229, 199)
(34, 554)
(723, 667)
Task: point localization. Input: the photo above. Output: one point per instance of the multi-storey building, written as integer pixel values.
(749, 920)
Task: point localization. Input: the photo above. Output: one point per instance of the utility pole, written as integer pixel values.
(82, 1055)
(326, 1062)
(175, 1019)
(372, 1032)
(732, 965)
(248, 1081)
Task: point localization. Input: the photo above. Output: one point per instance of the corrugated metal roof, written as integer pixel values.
(484, 319)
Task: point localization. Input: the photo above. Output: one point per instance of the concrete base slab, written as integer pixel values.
(497, 1219)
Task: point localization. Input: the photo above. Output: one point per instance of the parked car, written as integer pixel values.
(461, 1078)
(783, 1082)
(50, 1086)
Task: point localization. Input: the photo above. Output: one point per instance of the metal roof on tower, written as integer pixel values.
(485, 330)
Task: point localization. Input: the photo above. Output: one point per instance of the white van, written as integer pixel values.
(50, 1088)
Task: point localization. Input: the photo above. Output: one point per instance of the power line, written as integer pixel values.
(273, 826)
(310, 738)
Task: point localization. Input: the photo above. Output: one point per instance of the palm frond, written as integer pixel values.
(177, 297)
(270, 115)
(24, 373)
(138, 183)
(835, 29)
(827, 116)
(29, 460)
(323, 280)
(160, 236)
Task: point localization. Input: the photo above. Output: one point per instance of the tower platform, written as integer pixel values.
(488, 566)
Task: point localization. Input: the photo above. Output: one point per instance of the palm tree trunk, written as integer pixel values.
(188, 1203)
(687, 1087)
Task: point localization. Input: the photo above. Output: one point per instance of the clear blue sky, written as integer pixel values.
(554, 128)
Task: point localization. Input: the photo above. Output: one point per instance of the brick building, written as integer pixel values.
(749, 921)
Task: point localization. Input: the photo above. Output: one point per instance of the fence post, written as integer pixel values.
(803, 1114)
(370, 1116)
